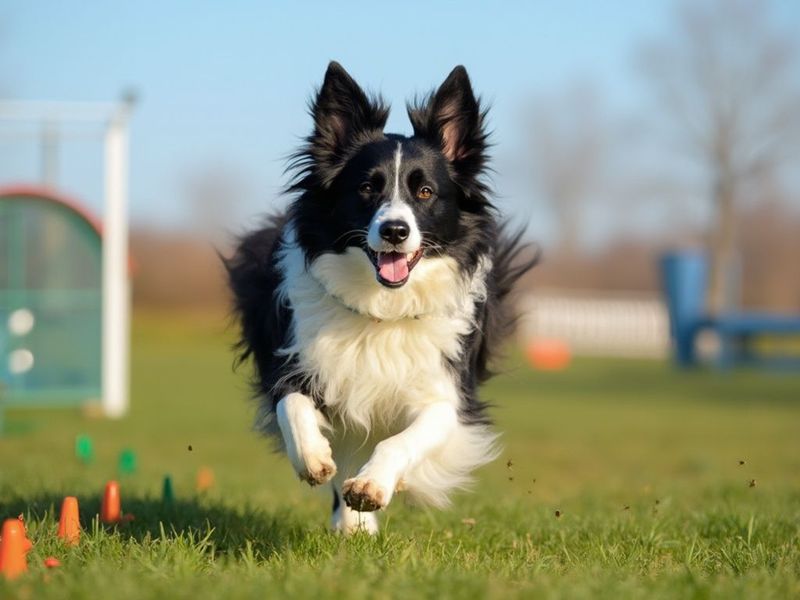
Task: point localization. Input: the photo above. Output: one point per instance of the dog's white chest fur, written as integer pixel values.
(377, 355)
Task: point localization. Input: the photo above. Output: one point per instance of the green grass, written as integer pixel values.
(641, 462)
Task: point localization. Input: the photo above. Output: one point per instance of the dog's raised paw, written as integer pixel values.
(319, 466)
(363, 495)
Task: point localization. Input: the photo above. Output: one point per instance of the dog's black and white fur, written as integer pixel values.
(372, 307)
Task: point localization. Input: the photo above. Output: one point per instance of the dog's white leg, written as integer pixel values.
(348, 521)
(377, 480)
(308, 450)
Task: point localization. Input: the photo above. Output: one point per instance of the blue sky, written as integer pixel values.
(225, 84)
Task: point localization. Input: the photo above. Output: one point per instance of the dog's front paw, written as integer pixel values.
(318, 466)
(364, 494)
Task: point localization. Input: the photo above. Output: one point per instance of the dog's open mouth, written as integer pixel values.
(393, 268)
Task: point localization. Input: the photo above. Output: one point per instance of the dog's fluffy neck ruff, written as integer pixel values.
(364, 312)
(354, 310)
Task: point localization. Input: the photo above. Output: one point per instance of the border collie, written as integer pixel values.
(371, 307)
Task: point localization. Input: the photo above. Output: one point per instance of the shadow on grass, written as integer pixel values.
(228, 530)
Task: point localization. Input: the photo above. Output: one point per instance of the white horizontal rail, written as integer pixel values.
(40, 110)
(614, 326)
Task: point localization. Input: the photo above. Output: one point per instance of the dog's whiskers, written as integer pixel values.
(353, 233)
(428, 245)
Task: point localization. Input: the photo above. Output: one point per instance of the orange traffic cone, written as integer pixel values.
(69, 526)
(110, 511)
(14, 545)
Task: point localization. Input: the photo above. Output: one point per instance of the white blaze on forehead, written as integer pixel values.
(398, 160)
(395, 210)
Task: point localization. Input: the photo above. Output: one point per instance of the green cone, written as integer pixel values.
(167, 494)
(84, 449)
(127, 462)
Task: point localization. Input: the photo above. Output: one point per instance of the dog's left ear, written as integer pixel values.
(453, 119)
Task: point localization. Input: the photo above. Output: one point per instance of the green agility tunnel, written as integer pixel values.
(50, 300)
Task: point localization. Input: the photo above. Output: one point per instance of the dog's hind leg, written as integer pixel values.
(346, 520)
(308, 450)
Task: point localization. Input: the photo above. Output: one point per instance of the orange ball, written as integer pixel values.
(548, 354)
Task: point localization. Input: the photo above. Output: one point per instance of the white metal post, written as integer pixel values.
(116, 292)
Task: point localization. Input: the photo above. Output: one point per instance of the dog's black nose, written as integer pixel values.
(394, 232)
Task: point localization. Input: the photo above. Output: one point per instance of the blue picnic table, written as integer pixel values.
(685, 279)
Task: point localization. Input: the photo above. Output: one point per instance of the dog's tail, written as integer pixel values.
(513, 257)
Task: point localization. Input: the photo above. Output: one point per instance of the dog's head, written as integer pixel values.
(398, 198)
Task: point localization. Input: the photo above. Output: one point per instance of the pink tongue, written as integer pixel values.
(393, 266)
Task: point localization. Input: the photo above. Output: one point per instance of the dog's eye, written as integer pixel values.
(366, 188)
(425, 193)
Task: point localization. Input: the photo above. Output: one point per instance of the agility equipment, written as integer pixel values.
(14, 546)
(69, 525)
(167, 493)
(110, 510)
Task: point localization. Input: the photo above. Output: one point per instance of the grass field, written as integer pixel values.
(642, 464)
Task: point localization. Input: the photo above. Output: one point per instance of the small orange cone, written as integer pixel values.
(13, 547)
(110, 511)
(69, 526)
(205, 479)
(51, 562)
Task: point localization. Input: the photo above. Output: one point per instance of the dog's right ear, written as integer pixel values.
(342, 114)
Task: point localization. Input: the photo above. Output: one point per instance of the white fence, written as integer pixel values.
(594, 323)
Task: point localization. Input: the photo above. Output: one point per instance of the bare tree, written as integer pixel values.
(567, 139)
(726, 79)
